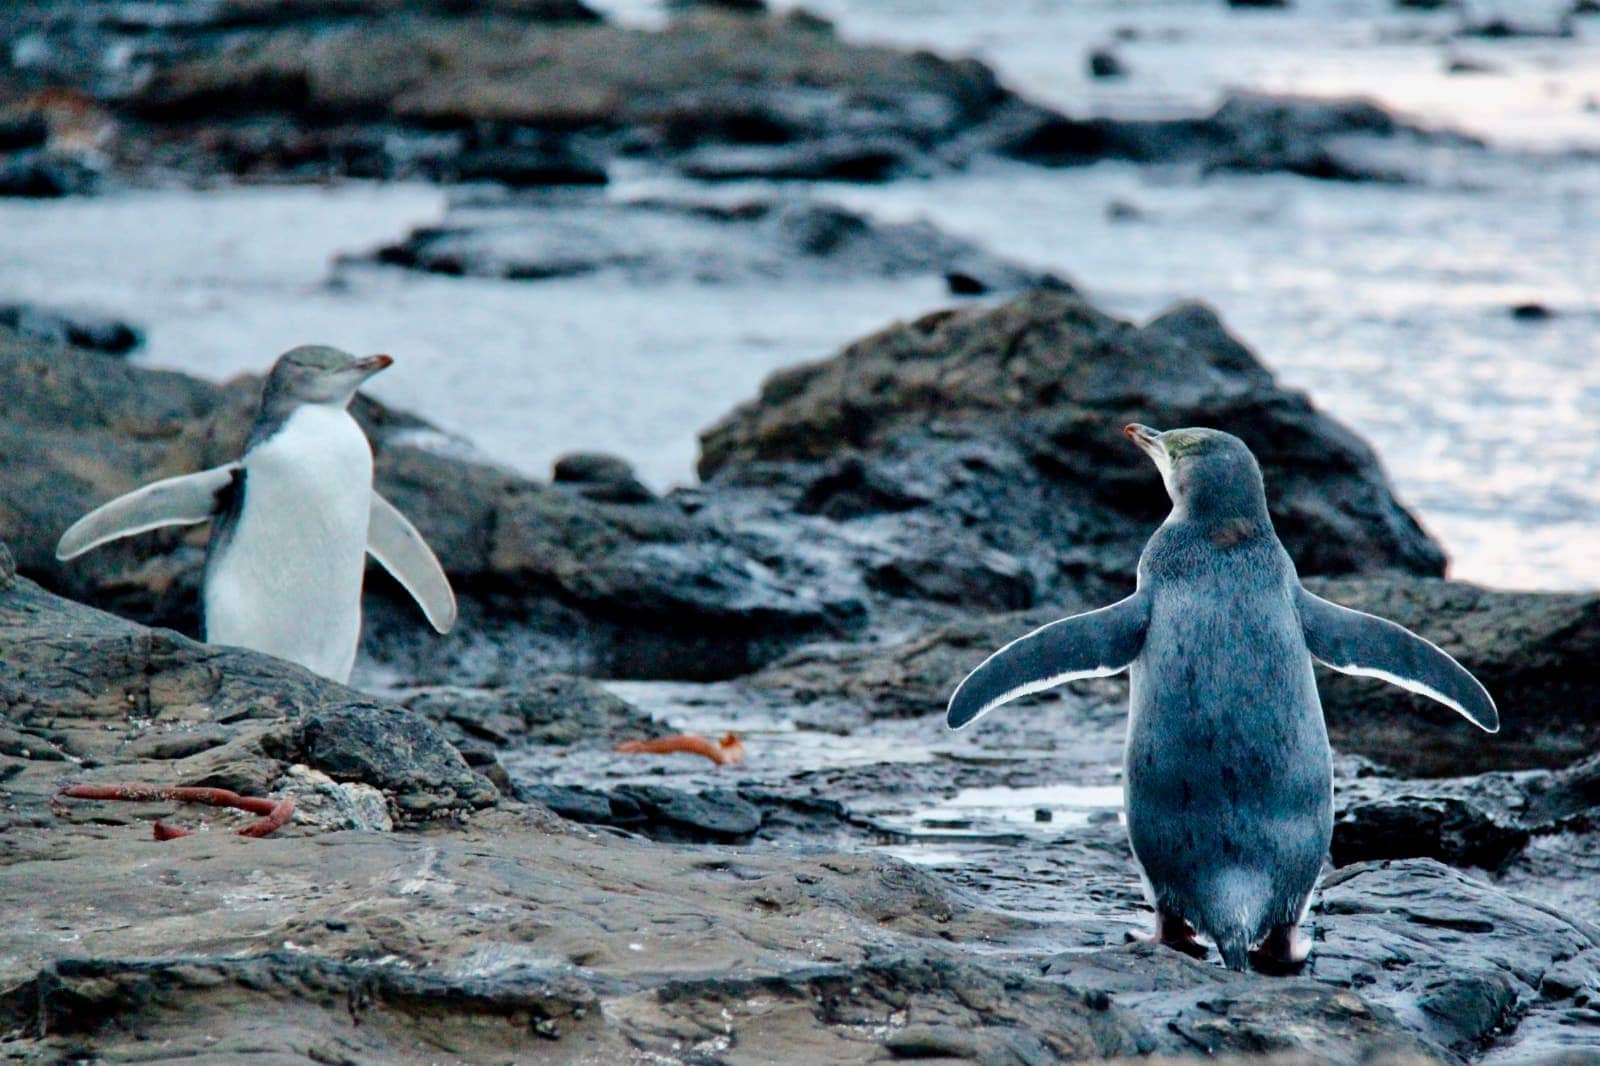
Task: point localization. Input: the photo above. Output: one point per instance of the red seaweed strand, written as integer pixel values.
(276, 813)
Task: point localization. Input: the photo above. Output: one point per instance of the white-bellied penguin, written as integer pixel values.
(1227, 776)
(294, 519)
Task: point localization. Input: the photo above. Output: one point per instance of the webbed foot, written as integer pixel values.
(1283, 952)
(1175, 933)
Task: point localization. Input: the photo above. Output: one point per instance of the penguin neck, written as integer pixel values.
(276, 410)
(1227, 516)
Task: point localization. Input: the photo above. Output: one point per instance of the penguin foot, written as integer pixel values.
(1284, 952)
(1174, 933)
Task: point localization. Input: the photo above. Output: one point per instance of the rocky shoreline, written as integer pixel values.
(473, 873)
(547, 93)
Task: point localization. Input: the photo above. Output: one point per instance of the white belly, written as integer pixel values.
(289, 581)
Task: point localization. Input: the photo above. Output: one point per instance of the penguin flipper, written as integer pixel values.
(1093, 644)
(1352, 642)
(395, 543)
(174, 501)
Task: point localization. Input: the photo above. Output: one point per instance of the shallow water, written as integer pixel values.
(1388, 304)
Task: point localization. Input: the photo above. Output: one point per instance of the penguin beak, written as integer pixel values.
(371, 364)
(1148, 440)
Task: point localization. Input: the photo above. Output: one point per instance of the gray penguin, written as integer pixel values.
(294, 519)
(1227, 776)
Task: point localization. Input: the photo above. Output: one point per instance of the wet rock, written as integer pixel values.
(715, 816)
(841, 159)
(1535, 652)
(106, 700)
(81, 327)
(1500, 27)
(1461, 957)
(36, 174)
(604, 478)
(657, 241)
(741, 7)
(1124, 211)
(397, 751)
(1104, 63)
(1253, 132)
(706, 79)
(258, 1006)
(1451, 830)
(567, 711)
(1007, 421)
(1468, 65)
(524, 166)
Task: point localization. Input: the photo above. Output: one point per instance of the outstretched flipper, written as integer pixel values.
(395, 543)
(175, 501)
(1095, 644)
(1355, 643)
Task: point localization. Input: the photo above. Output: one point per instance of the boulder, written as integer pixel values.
(89, 698)
(984, 450)
(81, 327)
(1537, 653)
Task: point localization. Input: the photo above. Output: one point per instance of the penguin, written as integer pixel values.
(1227, 774)
(293, 520)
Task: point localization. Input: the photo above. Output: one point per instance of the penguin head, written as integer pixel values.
(1208, 473)
(315, 373)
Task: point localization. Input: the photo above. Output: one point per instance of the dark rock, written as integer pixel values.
(1531, 312)
(604, 478)
(1535, 652)
(1501, 28)
(838, 159)
(76, 326)
(1467, 65)
(738, 7)
(714, 816)
(961, 284)
(1466, 958)
(1314, 137)
(1450, 830)
(280, 1003)
(834, 108)
(36, 174)
(1123, 211)
(1104, 63)
(654, 241)
(22, 129)
(591, 468)
(559, 710)
(121, 702)
(397, 751)
(521, 167)
(1010, 418)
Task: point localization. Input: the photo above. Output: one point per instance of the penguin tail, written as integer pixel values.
(1238, 915)
(1235, 949)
